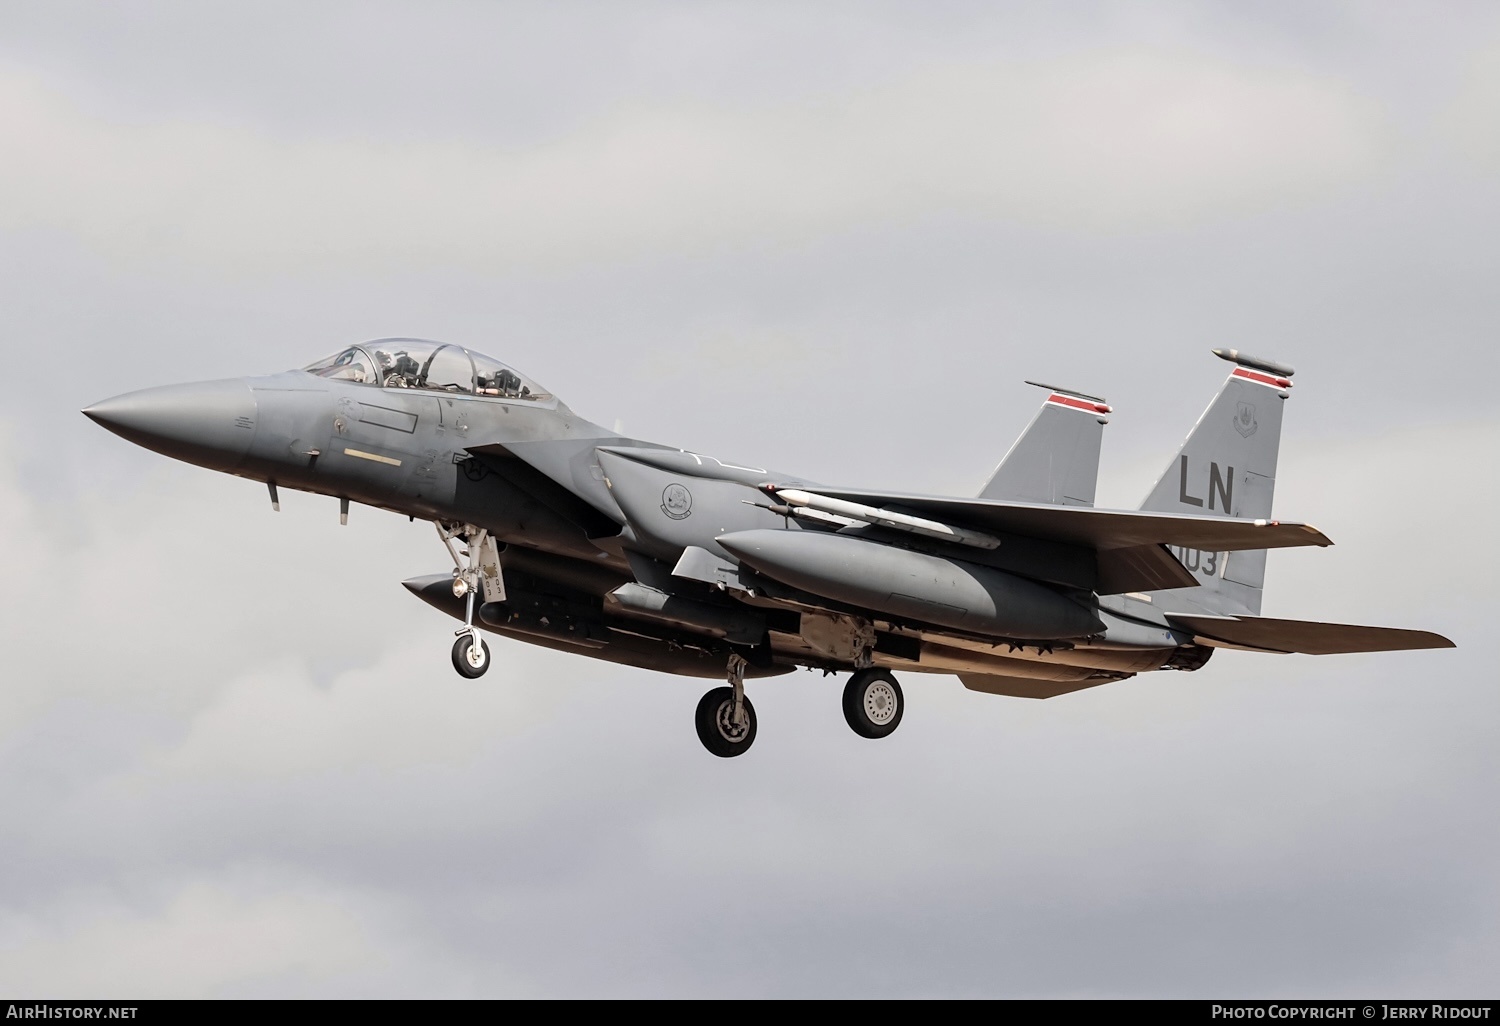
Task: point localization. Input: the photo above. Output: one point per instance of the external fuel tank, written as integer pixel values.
(913, 586)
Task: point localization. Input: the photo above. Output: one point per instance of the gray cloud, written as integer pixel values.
(1119, 137)
(235, 759)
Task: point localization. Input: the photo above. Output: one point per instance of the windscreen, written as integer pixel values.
(352, 364)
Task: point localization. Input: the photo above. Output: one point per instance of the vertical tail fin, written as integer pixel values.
(1227, 467)
(1056, 459)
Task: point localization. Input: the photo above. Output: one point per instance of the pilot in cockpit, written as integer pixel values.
(409, 370)
(503, 382)
(398, 371)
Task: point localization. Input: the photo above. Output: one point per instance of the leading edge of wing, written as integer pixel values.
(1100, 529)
(1309, 637)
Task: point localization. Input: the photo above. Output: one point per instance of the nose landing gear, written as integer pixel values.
(471, 656)
(725, 718)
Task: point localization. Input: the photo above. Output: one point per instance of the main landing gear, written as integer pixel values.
(725, 717)
(873, 703)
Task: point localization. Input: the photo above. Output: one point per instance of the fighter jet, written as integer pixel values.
(570, 536)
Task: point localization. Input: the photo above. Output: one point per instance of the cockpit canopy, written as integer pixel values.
(435, 366)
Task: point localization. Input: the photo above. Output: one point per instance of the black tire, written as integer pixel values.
(873, 703)
(714, 728)
(461, 661)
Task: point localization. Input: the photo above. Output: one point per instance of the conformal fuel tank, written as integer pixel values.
(911, 585)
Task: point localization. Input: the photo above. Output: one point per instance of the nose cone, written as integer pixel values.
(210, 423)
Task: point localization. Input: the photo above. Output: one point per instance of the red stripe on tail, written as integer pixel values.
(1077, 404)
(1264, 379)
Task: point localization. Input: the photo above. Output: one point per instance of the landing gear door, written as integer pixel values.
(490, 577)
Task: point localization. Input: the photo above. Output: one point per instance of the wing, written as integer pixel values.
(1267, 634)
(1096, 528)
(1131, 545)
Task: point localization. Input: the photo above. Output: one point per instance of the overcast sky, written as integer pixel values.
(830, 238)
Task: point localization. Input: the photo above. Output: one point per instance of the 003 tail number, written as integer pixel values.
(1209, 564)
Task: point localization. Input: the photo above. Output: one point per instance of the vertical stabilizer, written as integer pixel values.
(1056, 459)
(1227, 467)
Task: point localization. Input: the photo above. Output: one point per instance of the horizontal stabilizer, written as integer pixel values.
(1030, 687)
(1310, 637)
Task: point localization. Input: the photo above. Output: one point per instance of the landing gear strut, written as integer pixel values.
(873, 703)
(471, 656)
(725, 718)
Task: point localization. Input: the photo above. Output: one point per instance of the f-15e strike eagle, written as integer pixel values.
(566, 535)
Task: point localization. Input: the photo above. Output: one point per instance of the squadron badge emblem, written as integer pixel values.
(1244, 420)
(676, 502)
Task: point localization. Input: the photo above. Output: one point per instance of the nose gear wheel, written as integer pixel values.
(470, 659)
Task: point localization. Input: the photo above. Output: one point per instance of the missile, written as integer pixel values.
(797, 498)
(912, 586)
